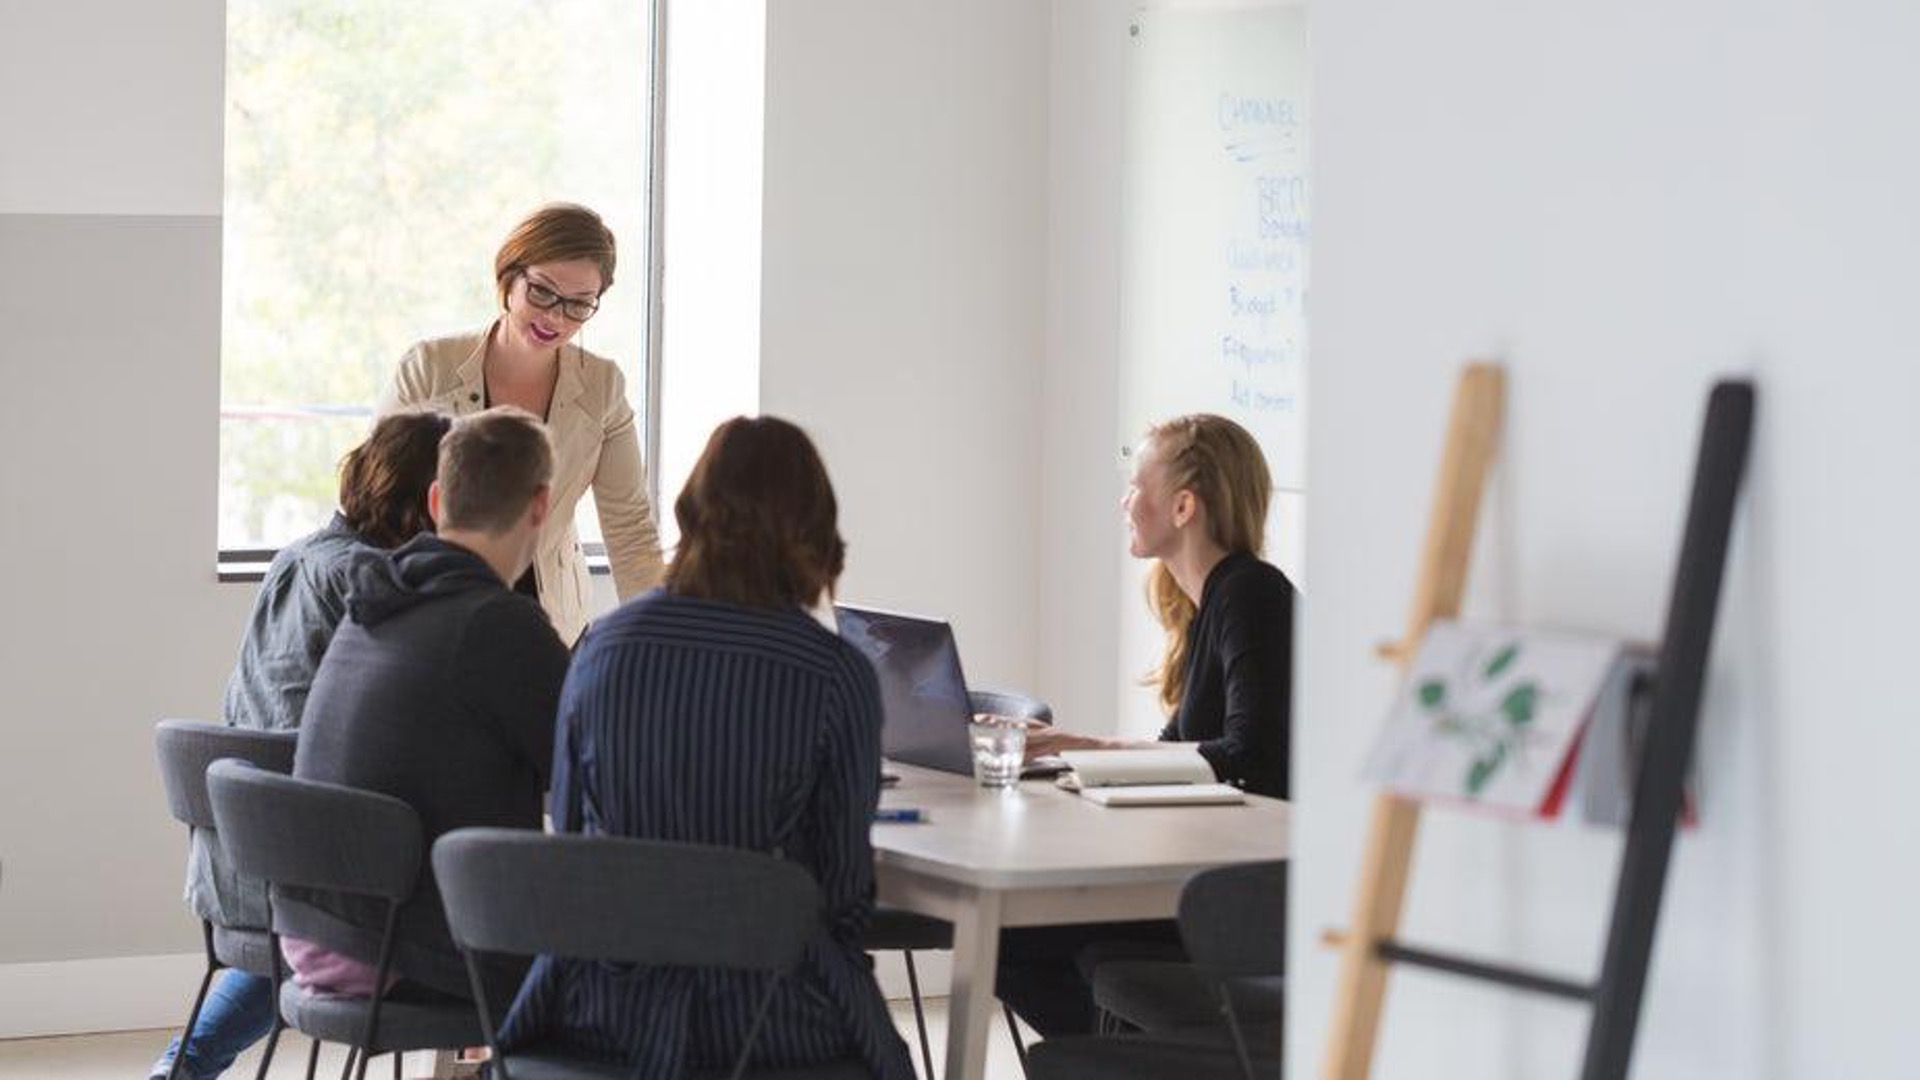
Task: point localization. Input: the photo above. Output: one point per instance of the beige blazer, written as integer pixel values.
(594, 445)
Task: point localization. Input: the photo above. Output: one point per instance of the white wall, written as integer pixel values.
(110, 247)
(904, 292)
(1623, 202)
(1082, 535)
(106, 105)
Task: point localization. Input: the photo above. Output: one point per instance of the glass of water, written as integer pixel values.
(999, 744)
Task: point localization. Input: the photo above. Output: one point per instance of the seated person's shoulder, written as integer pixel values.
(326, 559)
(515, 615)
(1258, 580)
(848, 664)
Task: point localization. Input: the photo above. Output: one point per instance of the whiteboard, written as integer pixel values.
(1215, 231)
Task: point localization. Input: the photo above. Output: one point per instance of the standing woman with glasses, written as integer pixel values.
(550, 274)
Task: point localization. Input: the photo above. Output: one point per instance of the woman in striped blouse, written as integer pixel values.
(717, 711)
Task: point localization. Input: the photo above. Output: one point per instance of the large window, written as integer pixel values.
(376, 154)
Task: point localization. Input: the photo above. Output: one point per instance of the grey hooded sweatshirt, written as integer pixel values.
(439, 689)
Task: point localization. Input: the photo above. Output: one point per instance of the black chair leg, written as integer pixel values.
(266, 1056)
(1013, 1029)
(279, 1021)
(193, 1017)
(397, 1056)
(919, 1013)
(313, 1058)
(353, 1055)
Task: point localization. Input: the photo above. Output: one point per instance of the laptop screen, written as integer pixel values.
(923, 694)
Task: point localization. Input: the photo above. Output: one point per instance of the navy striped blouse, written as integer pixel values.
(700, 722)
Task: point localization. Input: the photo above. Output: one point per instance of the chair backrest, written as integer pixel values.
(187, 747)
(1233, 920)
(1010, 703)
(619, 899)
(312, 835)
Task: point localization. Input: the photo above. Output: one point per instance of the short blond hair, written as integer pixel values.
(492, 464)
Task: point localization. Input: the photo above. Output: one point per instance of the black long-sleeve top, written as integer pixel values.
(1238, 698)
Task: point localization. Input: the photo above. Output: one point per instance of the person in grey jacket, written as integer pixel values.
(383, 503)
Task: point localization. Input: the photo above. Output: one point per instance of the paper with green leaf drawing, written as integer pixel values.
(1490, 715)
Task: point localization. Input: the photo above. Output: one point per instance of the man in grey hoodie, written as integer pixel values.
(440, 689)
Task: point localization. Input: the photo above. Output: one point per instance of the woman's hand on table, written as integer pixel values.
(1045, 740)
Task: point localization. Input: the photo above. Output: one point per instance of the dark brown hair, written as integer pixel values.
(557, 232)
(758, 520)
(491, 465)
(384, 480)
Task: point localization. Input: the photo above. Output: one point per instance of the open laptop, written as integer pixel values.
(923, 695)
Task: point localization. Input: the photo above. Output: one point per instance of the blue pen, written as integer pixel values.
(902, 815)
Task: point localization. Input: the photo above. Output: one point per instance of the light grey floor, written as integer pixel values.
(126, 1055)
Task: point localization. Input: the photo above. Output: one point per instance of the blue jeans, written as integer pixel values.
(237, 1014)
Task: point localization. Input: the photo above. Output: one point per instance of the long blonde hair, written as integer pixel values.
(1222, 465)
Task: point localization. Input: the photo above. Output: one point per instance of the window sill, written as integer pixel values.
(250, 564)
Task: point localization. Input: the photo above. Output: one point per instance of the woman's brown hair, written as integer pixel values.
(1222, 465)
(557, 232)
(758, 520)
(384, 480)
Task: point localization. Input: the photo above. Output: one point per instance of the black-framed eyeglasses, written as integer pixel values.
(544, 298)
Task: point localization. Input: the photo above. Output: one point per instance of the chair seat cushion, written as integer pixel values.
(1156, 995)
(555, 1067)
(249, 950)
(1148, 1057)
(893, 929)
(442, 1024)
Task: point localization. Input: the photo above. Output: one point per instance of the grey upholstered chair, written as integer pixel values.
(909, 932)
(185, 749)
(623, 900)
(1228, 1026)
(1245, 983)
(310, 835)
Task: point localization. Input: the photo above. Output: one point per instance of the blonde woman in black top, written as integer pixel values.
(1197, 506)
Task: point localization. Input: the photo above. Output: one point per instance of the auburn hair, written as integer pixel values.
(384, 480)
(1221, 464)
(758, 520)
(557, 232)
(491, 465)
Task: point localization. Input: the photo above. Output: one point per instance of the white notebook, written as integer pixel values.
(1165, 795)
(1155, 776)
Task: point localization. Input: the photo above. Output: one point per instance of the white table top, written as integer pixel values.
(1039, 836)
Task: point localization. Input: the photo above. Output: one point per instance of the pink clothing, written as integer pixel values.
(324, 971)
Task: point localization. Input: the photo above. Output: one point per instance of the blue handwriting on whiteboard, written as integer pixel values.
(1245, 150)
(1239, 113)
(1255, 257)
(1249, 355)
(1257, 305)
(1252, 397)
(1283, 207)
